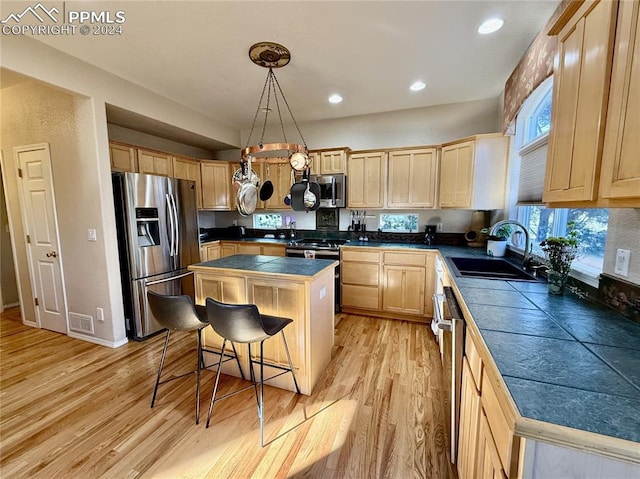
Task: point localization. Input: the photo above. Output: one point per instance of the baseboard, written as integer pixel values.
(101, 342)
(10, 305)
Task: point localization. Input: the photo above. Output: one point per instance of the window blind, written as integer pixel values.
(533, 161)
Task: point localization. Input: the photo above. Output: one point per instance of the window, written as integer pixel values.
(399, 223)
(267, 221)
(539, 122)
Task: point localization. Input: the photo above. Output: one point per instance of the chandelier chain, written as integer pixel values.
(275, 96)
(290, 112)
(255, 117)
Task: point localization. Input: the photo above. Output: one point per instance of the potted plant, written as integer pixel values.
(559, 253)
(497, 242)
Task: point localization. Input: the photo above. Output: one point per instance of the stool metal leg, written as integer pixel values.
(261, 402)
(252, 377)
(215, 387)
(164, 354)
(286, 348)
(200, 358)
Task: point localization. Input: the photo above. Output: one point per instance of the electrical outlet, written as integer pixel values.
(622, 262)
(100, 314)
(92, 235)
(439, 227)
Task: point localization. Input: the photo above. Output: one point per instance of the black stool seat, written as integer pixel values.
(178, 313)
(243, 323)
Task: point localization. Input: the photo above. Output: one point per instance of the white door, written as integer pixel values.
(41, 227)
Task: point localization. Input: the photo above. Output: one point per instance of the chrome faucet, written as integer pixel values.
(527, 247)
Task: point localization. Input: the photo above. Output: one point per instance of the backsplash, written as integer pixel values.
(621, 296)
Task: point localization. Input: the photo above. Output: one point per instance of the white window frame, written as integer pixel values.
(399, 214)
(257, 215)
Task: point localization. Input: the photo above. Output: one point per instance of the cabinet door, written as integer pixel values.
(488, 466)
(412, 178)
(227, 249)
(154, 163)
(403, 289)
(314, 158)
(123, 158)
(248, 249)
(215, 185)
(285, 299)
(273, 250)
(620, 176)
(469, 425)
(280, 176)
(365, 177)
(456, 175)
(332, 162)
(211, 252)
(580, 92)
(187, 169)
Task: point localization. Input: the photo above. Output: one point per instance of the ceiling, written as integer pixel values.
(196, 53)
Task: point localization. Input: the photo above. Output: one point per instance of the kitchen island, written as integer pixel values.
(296, 288)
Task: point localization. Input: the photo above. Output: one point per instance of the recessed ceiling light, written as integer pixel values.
(335, 98)
(490, 26)
(417, 86)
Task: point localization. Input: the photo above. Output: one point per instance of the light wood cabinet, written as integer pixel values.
(469, 424)
(489, 465)
(360, 279)
(412, 178)
(332, 161)
(280, 176)
(215, 185)
(154, 163)
(209, 252)
(620, 174)
(273, 250)
(188, 169)
(473, 172)
(248, 248)
(580, 94)
(366, 179)
(123, 157)
(314, 158)
(227, 249)
(387, 283)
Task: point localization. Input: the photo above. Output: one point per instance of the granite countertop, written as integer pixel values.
(565, 360)
(269, 264)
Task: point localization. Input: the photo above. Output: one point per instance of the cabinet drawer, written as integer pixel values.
(273, 250)
(362, 256)
(365, 297)
(357, 273)
(501, 430)
(248, 249)
(408, 259)
(475, 363)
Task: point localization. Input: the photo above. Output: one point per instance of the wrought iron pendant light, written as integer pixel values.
(272, 55)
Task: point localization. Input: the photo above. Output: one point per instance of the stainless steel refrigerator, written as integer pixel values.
(157, 224)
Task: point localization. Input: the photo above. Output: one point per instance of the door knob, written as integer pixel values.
(53, 254)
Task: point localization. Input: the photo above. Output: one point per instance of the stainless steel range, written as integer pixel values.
(319, 248)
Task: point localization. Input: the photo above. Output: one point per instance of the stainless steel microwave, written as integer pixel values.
(333, 190)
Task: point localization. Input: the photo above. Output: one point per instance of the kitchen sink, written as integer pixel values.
(490, 268)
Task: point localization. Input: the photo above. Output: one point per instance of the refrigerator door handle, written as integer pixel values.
(172, 223)
(176, 241)
(171, 278)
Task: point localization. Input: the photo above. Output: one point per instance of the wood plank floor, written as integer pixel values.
(73, 409)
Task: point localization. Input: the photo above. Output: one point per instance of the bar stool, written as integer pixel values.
(178, 313)
(243, 323)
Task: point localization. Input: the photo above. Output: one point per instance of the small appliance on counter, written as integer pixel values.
(474, 236)
(430, 234)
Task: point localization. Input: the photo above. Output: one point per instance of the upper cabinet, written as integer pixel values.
(123, 157)
(473, 172)
(280, 176)
(620, 178)
(412, 178)
(328, 162)
(366, 179)
(188, 169)
(594, 143)
(216, 180)
(154, 163)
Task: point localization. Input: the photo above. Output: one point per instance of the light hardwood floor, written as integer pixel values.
(73, 409)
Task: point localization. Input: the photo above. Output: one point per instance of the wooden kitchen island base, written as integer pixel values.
(295, 288)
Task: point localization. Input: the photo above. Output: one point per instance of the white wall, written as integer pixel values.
(623, 232)
(145, 140)
(8, 282)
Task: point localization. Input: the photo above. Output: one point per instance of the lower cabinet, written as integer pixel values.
(489, 465)
(388, 283)
(209, 252)
(487, 446)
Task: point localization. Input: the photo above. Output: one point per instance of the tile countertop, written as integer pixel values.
(565, 361)
(269, 264)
